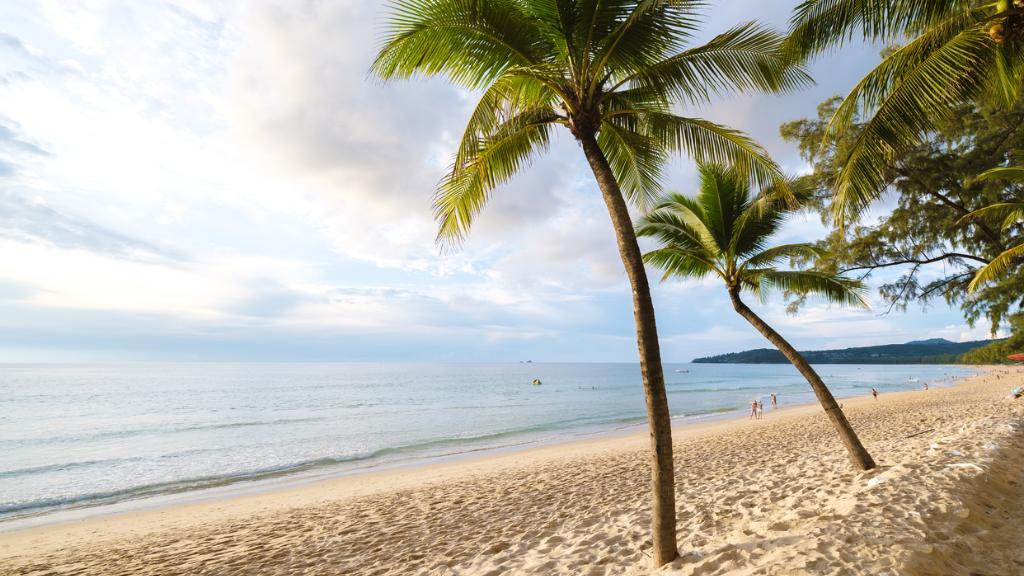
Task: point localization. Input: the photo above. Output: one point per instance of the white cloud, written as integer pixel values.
(185, 175)
(963, 333)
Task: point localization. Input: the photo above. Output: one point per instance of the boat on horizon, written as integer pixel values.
(687, 371)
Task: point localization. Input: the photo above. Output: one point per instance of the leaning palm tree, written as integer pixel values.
(725, 230)
(611, 72)
(958, 51)
(1012, 213)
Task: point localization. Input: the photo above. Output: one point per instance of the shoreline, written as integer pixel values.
(290, 480)
(581, 503)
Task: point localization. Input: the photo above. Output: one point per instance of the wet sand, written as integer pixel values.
(770, 496)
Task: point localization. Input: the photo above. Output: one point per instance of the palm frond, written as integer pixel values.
(508, 96)
(709, 143)
(551, 76)
(707, 232)
(835, 289)
(724, 196)
(746, 58)
(468, 187)
(995, 268)
(1010, 212)
(755, 225)
(637, 159)
(555, 21)
(681, 222)
(470, 41)
(646, 32)
(820, 25)
(771, 256)
(908, 92)
(1012, 173)
(682, 263)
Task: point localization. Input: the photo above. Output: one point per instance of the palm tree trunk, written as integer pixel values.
(858, 454)
(662, 467)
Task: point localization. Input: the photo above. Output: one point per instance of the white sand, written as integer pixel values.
(775, 496)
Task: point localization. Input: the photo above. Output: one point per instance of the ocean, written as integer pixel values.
(78, 440)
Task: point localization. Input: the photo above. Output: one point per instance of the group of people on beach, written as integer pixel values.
(757, 408)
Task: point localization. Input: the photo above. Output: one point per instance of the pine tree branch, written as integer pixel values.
(917, 263)
(992, 236)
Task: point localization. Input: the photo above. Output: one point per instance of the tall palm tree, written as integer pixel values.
(1012, 213)
(958, 51)
(611, 71)
(725, 231)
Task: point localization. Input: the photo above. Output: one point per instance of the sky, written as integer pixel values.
(201, 180)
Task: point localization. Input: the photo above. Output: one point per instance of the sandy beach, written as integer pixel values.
(770, 496)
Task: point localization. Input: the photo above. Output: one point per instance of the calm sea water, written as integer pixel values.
(87, 435)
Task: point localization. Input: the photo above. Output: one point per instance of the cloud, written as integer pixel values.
(34, 221)
(303, 102)
(197, 180)
(32, 60)
(11, 143)
(963, 333)
(14, 148)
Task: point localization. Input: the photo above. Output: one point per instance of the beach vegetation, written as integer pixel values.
(952, 52)
(614, 74)
(1012, 216)
(997, 352)
(724, 231)
(939, 227)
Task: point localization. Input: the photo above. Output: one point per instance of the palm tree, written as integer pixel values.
(611, 73)
(1011, 213)
(959, 50)
(724, 231)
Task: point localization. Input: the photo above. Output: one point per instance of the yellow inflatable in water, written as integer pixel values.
(536, 382)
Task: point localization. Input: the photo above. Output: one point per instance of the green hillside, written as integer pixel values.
(934, 351)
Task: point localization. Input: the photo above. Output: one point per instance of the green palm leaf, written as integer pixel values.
(696, 264)
(726, 229)
(745, 58)
(1012, 173)
(907, 93)
(710, 143)
(463, 194)
(470, 41)
(1011, 212)
(957, 51)
(637, 159)
(491, 111)
(833, 288)
(680, 222)
(771, 256)
(997, 266)
(820, 25)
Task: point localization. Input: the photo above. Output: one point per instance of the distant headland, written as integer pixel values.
(931, 351)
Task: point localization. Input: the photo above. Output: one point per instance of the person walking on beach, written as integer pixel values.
(874, 393)
(775, 402)
(925, 385)
(753, 409)
(760, 409)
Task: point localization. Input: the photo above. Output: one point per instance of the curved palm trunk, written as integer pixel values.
(858, 455)
(662, 468)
